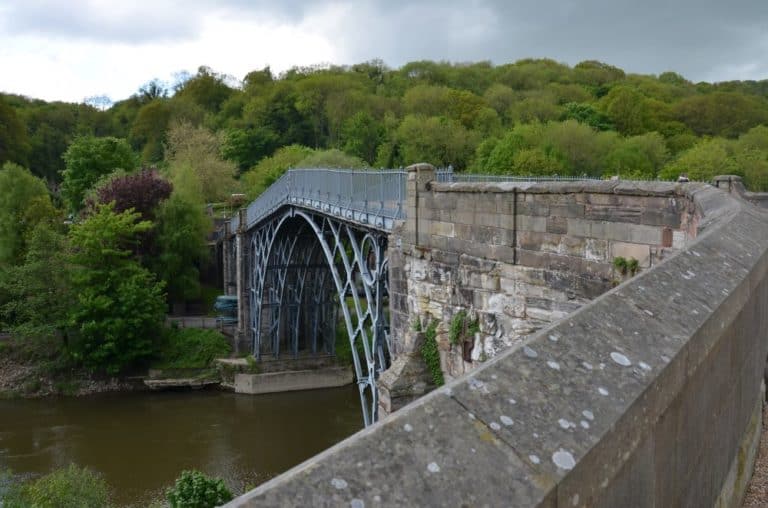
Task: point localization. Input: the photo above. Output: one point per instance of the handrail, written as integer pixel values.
(370, 197)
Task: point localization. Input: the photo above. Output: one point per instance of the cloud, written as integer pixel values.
(95, 47)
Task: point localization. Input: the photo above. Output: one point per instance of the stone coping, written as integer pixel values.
(557, 421)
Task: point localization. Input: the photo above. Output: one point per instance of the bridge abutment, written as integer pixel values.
(243, 333)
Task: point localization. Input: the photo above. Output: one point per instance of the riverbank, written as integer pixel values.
(30, 379)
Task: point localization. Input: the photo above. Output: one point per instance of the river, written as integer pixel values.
(140, 442)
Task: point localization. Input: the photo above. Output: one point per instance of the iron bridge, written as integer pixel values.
(314, 256)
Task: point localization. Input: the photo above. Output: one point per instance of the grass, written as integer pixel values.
(190, 348)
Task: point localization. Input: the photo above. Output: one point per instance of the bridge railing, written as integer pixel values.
(373, 197)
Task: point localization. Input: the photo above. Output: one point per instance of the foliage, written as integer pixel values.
(24, 202)
(14, 142)
(456, 332)
(38, 294)
(69, 487)
(119, 306)
(269, 169)
(141, 191)
(181, 232)
(431, 354)
(331, 159)
(461, 329)
(194, 489)
(438, 112)
(190, 348)
(87, 159)
(199, 149)
(620, 264)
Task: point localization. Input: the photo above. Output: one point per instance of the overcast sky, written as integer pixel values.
(72, 49)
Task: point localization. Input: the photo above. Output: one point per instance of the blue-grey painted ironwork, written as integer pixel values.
(307, 262)
(316, 243)
(373, 198)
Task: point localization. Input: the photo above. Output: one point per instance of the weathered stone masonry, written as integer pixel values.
(650, 395)
(516, 257)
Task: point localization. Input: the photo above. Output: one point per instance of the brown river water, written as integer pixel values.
(140, 442)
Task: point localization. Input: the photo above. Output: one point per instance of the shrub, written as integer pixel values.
(431, 354)
(194, 489)
(69, 487)
(620, 264)
(190, 348)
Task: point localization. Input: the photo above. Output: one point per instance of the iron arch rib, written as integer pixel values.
(282, 255)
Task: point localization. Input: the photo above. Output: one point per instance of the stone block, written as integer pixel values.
(572, 210)
(558, 225)
(273, 382)
(487, 219)
(531, 223)
(443, 229)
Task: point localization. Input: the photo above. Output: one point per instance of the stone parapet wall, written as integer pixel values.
(649, 395)
(518, 256)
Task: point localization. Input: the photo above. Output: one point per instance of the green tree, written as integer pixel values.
(24, 202)
(37, 290)
(14, 143)
(182, 226)
(200, 149)
(148, 131)
(331, 159)
(246, 147)
(207, 89)
(587, 114)
(89, 158)
(362, 135)
(725, 114)
(626, 108)
(269, 169)
(119, 308)
(437, 140)
(702, 162)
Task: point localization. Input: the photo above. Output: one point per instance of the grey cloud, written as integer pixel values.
(701, 39)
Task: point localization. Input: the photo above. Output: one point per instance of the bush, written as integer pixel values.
(69, 487)
(193, 489)
(190, 348)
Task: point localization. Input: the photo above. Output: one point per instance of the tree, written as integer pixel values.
(38, 290)
(89, 158)
(207, 89)
(24, 202)
(702, 162)
(725, 114)
(437, 140)
(587, 114)
(627, 110)
(331, 159)
(362, 135)
(246, 147)
(269, 169)
(14, 144)
(182, 226)
(119, 306)
(200, 149)
(148, 131)
(140, 192)
(576, 144)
